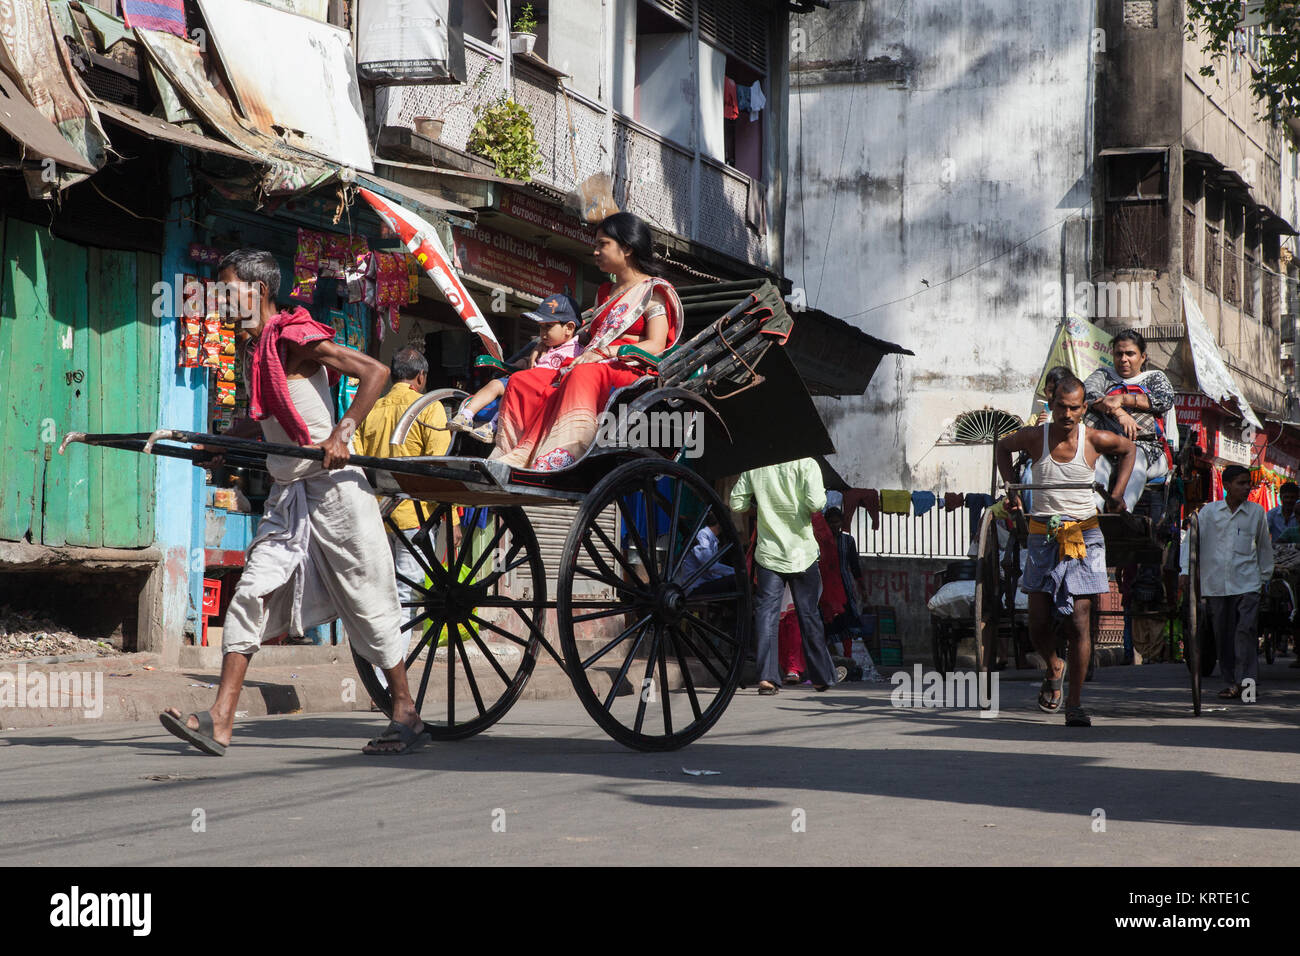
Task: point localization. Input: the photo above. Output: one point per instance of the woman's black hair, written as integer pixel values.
(1130, 335)
(627, 230)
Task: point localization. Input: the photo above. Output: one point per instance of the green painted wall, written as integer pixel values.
(78, 352)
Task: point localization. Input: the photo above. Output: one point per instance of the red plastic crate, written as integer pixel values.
(211, 604)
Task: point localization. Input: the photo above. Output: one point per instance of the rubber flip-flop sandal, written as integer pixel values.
(768, 690)
(1045, 703)
(1077, 717)
(1229, 693)
(395, 732)
(201, 737)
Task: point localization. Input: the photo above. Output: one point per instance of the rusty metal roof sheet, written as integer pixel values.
(26, 124)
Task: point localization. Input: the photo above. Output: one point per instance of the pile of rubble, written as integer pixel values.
(24, 634)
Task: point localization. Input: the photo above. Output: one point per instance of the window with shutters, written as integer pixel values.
(1232, 231)
(1191, 196)
(1213, 225)
(1137, 226)
(737, 27)
(1251, 290)
(1269, 281)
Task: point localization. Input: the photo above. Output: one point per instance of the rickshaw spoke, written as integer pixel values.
(502, 528)
(651, 522)
(614, 550)
(674, 635)
(703, 659)
(630, 526)
(670, 564)
(451, 671)
(430, 638)
(422, 616)
(713, 598)
(713, 559)
(492, 627)
(647, 681)
(615, 583)
(709, 628)
(622, 671)
(469, 673)
(690, 541)
(492, 659)
(614, 643)
(594, 615)
(505, 569)
(466, 537)
(667, 705)
(409, 545)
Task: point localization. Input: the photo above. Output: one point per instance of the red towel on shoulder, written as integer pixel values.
(268, 386)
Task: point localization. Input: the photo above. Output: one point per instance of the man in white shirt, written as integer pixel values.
(1236, 561)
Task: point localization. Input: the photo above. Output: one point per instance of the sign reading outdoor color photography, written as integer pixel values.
(523, 266)
(410, 41)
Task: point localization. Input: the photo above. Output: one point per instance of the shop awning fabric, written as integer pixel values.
(1212, 374)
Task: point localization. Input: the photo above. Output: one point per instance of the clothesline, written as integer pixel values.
(916, 503)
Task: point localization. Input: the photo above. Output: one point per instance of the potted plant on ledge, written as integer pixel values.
(524, 33)
(503, 133)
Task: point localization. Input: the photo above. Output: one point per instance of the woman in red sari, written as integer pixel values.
(546, 426)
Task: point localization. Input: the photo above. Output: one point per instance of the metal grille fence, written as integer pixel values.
(936, 534)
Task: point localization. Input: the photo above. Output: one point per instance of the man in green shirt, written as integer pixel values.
(786, 496)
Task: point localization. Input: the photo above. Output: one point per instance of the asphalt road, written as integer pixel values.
(803, 778)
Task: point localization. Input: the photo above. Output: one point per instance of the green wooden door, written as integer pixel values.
(78, 352)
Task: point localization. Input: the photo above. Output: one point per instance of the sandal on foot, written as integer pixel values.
(768, 689)
(1045, 702)
(1230, 693)
(409, 738)
(201, 736)
(1077, 717)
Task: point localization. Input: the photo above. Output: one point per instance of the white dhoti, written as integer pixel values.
(320, 554)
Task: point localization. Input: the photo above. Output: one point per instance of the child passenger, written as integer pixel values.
(557, 343)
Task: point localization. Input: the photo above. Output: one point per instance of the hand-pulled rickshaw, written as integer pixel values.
(1131, 538)
(654, 661)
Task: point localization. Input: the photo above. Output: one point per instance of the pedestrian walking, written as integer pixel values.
(320, 551)
(1236, 562)
(785, 497)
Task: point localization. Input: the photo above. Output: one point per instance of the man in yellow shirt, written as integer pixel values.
(428, 436)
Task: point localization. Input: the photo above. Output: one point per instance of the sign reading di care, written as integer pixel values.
(522, 265)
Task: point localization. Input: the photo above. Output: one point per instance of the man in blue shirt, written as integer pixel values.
(1284, 516)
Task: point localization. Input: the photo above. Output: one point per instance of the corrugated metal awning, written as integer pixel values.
(1131, 150)
(28, 125)
(160, 129)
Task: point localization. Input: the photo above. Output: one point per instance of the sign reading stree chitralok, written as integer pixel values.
(522, 265)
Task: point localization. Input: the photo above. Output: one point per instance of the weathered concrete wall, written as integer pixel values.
(906, 584)
(939, 164)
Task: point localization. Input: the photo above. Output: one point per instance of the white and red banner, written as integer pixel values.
(422, 242)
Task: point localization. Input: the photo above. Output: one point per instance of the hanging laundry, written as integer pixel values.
(730, 107)
(834, 499)
(976, 505)
(895, 501)
(742, 99)
(865, 498)
(953, 500)
(922, 501)
(756, 101)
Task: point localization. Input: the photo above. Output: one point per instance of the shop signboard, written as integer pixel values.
(1191, 407)
(498, 257)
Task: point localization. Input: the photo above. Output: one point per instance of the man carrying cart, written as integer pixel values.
(1066, 562)
(320, 551)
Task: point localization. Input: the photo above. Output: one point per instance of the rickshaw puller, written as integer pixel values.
(1065, 565)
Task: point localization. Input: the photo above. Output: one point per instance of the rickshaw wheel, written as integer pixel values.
(482, 664)
(988, 594)
(662, 660)
(1192, 635)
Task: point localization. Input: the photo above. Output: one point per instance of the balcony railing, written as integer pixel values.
(652, 175)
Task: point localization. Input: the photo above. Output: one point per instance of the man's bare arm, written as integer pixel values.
(373, 380)
(1109, 443)
(1020, 440)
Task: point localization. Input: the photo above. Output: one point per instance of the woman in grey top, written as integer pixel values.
(1133, 411)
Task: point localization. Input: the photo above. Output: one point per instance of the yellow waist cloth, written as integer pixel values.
(1068, 534)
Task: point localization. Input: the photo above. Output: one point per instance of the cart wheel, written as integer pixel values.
(988, 595)
(1192, 636)
(469, 612)
(656, 664)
